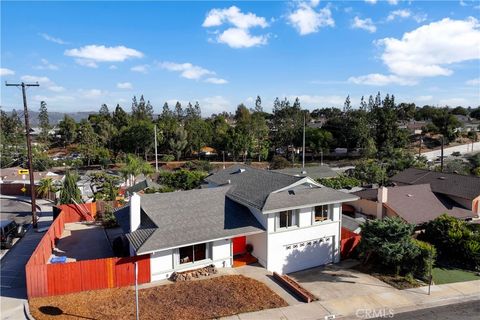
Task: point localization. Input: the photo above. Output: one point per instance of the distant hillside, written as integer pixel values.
(55, 117)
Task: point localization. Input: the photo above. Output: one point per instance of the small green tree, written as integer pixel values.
(69, 192)
(388, 241)
(133, 167)
(45, 187)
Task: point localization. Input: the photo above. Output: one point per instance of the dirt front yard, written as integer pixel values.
(202, 299)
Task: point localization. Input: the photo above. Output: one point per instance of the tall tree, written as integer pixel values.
(179, 111)
(258, 105)
(141, 110)
(179, 142)
(68, 130)
(44, 122)
(69, 192)
(120, 118)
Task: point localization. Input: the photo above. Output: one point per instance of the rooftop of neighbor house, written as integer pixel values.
(251, 186)
(83, 241)
(417, 204)
(142, 185)
(11, 175)
(314, 172)
(451, 184)
(173, 219)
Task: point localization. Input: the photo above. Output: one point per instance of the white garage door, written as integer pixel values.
(307, 254)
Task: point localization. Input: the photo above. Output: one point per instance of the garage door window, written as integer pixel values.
(321, 213)
(287, 219)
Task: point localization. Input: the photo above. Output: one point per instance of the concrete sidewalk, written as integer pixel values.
(356, 307)
(12, 267)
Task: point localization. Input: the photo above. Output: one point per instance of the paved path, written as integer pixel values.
(12, 267)
(464, 148)
(357, 307)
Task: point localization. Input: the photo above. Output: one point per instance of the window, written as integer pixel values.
(287, 219)
(193, 253)
(321, 213)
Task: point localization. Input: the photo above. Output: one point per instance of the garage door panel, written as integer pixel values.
(307, 254)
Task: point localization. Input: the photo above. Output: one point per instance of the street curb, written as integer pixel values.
(26, 310)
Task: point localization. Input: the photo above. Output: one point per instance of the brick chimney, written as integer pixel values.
(134, 212)
(382, 197)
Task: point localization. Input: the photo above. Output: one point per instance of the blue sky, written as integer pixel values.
(225, 53)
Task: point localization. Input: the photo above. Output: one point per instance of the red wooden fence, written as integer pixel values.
(350, 241)
(45, 279)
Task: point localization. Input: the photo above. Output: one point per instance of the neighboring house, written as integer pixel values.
(292, 223)
(314, 172)
(415, 204)
(464, 190)
(12, 182)
(140, 186)
(413, 126)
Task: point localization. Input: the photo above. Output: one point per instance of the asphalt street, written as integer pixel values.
(460, 311)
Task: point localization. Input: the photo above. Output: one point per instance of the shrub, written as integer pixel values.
(340, 182)
(279, 162)
(182, 179)
(161, 189)
(108, 218)
(200, 165)
(422, 264)
(168, 158)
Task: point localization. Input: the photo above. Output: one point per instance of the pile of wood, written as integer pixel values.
(194, 274)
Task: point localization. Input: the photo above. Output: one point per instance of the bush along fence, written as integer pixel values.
(44, 279)
(350, 240)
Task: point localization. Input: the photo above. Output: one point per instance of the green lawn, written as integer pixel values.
(443, 275)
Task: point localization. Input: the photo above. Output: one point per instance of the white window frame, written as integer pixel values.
(208, 255)
(329, 214)
(294, 218)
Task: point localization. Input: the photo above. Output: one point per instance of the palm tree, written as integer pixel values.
(133, 167)
(45, 187)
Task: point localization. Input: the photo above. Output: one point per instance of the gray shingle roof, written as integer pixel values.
(252, 186)
(466, 187)
(142, 185)
(314, 172)
(418, 204)
(305, 196)
(145, 230)
(186, 217)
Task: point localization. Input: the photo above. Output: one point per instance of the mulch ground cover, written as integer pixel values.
(202, 299)
(396, 281)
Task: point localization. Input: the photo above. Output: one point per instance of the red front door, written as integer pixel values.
(239, 245)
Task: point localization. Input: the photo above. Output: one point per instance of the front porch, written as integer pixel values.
(242, 252)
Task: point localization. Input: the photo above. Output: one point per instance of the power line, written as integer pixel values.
(24, 85)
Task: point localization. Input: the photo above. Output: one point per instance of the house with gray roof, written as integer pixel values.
(290, 223)
(415, 204)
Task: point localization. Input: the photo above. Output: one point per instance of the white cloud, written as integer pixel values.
(404, 14)
(124, 85)
(53, 99)
(424, 98)
(308, 20)
(52, 39)
(233, 15)
(6, 72)
(425, 51)
(365, 24)
(239, 35)
(113, 67)
(240, 38)
(376, 79)
(473, 82)
(216, 80)
(89, 55)
(215, 104)
(393, 2)
(371, 1)
(46, 65)
(140, 68)
(453, 102)
(91, 93)
(187, 70)
(43, 82)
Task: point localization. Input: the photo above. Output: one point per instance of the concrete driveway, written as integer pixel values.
(340, 281)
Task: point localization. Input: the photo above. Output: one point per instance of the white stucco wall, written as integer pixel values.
(259, 243)
(161, 265)
(222, 253)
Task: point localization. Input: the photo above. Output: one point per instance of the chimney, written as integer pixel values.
(134, 212)
(382, 197)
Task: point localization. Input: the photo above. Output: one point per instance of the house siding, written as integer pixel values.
(259, 243)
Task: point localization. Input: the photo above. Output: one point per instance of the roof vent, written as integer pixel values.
(241, 170)
(304, 172)
(441, 178)
(409, 195)
(291, 192)
(229, 181)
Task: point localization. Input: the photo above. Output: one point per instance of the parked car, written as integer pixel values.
(8, 231)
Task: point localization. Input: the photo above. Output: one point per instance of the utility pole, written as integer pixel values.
(29, 146)
(441, 157)
(420, 147)
(156, 154)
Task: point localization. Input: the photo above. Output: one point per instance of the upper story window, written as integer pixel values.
(287, 219)
(321, 213)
